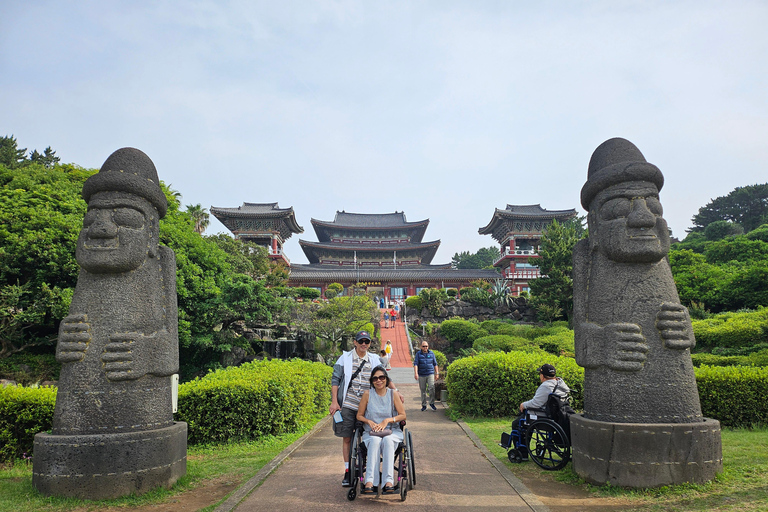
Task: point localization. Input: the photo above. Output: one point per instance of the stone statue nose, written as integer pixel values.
(640, 216)
(103, 226)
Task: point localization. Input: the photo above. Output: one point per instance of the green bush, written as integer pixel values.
(307, 293)
(559, 342)
(414, 302)
(477, 297)
(337, 287)
(505, 343)
(734, 395)
(255, 399)
(39, 367)
(704, 358)
(330, 293)
(495, 383)
(433, 299)
(451, 292)
(461, 331)
(23, 413)
(736, 330)
(442, 361)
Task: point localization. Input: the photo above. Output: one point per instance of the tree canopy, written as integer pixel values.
(483, 258)
(746, 206)
(552, 294)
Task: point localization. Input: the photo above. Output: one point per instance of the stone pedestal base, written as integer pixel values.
(105, 466)
(645, 455)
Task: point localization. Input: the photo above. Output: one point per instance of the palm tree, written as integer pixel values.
(199, 216)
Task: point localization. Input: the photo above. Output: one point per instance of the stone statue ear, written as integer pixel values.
(152, 250)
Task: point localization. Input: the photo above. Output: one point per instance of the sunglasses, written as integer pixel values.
(379, 377)
(364, 341)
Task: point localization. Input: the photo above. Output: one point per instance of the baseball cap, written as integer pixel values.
(547, 370)
(362, 335)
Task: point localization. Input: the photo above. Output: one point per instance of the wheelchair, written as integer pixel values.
(539, 437)
(404, 470)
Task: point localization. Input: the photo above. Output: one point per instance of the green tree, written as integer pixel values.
(47, 158)
(340, 317)
(199, 216)
(10, 155)
(552, 294)
(746, 206)
(483, 258)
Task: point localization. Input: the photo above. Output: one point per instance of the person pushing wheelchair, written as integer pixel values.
(550, 383)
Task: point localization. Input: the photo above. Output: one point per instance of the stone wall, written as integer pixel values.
(517, 310)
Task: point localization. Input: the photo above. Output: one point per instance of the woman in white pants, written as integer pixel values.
(381, 416)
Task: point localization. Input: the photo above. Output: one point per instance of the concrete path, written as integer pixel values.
(452, 474)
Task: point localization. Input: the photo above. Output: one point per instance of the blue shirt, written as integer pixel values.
(426, 363)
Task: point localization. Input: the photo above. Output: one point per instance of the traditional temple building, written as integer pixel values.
(264, 224)
(383, 252)
(518, 230)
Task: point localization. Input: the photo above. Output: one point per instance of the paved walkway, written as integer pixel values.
(452, 474)
(401, 355)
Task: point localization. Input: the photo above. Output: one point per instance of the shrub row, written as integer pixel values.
(255, 399)
(495, 383)
(506, 343)
(23, 413)
(739, 329)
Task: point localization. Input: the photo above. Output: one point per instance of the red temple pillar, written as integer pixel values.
(274, 244)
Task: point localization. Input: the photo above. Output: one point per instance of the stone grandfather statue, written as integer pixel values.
(633, 337)
(118, 346)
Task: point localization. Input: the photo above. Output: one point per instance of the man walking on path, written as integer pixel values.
(351, 378)
(425, 371)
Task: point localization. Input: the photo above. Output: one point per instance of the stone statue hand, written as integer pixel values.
(627, 347)
(119, 357)
(74, 336)
(674, 326)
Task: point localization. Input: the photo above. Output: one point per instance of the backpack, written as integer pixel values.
(559, 409)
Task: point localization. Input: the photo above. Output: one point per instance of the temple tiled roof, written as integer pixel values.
(311, 249)
(524, 212)
(260, 211)
(411, 273)
(370, 220)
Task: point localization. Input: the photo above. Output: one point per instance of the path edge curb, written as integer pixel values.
(244, 490)
(528, 497)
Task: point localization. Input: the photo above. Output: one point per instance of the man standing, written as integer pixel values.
(351, 378)
(425, 371)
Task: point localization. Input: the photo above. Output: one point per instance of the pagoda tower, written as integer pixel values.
(362, 240)
(518, 229)
(264, 224)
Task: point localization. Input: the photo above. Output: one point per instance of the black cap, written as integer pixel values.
(362, 335)
(547, 370)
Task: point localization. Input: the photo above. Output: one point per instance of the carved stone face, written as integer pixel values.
(627, 224)
(117, 234)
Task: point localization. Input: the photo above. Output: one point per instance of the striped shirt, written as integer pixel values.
(360, 384)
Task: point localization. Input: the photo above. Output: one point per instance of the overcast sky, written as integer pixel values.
(444, 110)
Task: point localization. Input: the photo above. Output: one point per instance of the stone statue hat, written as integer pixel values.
(617, 161)
(128, 170)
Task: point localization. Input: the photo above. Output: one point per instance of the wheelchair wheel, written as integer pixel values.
(402, 473)
(548, 445)
(411, 461)
(355, 462)
(514, 456)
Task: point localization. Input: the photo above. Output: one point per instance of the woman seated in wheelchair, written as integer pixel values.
(381, 415)
(550, 383)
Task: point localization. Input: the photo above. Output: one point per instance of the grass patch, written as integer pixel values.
(231, 463)
(743, 484)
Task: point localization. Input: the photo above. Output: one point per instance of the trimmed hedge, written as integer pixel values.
(414, 302)
(733, 329)
(442, 361)
(505, 343)
(461, 331)
(735, 395)
(23, 413)
(255, 399)
(495, 383)
(560, 343)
